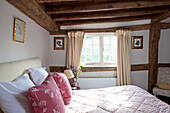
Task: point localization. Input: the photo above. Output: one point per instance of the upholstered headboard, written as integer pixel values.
(10, 70)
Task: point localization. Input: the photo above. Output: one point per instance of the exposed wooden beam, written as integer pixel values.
(52, 1)
(32, 9)
(165, 25)
(132, 28)
(162, 16)
(164, 65)
(107, 20)
(95, 69)
(139, 67)
(136, 67)
(154, 37)
(57, 68)
(61, 32)
(109, 14)
(104, 6)
(77, 1)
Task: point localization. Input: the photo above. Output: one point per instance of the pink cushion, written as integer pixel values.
(46, 98)
(64, 86)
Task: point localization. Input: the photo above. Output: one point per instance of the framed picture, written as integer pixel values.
(137, 42)
(58, 43)
(19, 30)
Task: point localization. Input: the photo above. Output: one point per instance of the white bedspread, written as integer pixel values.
(122, 99)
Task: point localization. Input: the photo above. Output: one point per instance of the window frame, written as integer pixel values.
(101, 62)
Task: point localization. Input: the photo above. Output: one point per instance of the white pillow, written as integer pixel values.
(38, 75)
(14, 95)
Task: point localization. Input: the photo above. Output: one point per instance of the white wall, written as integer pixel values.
(93, 83)
(38, 43)
(164, 47)
(57, 57)
(36, 38)
(138, 56)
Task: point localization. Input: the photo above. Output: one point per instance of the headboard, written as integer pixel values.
(10, 70)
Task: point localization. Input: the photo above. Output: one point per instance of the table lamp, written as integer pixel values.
(69, 74)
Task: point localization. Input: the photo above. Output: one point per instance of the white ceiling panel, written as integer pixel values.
(106, 25)
(166, 20)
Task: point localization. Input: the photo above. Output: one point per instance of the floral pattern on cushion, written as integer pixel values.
(46, 98)
(64, 86)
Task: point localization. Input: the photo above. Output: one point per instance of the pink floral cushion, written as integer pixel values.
(64, 86)
(46, 98)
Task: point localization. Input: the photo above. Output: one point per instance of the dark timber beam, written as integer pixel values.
(109, 14)
(136, 67)
(154, 37)
(89, 7)
(52, 1)
(107, 20)
(77, 1)
(162, 16)
(32, 9)
(165, 25)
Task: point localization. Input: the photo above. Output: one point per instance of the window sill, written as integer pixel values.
(99, 66)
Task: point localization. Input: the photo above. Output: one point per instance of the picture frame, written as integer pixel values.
(59, 43)
(19, 30)
(137, 42)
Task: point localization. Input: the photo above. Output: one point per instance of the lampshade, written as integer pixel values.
(69, 74)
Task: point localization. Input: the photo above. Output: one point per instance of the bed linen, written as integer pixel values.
(121, 99)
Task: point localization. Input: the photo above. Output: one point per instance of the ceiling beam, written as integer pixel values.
(113, 29)
(107, 20)
(32, 9)
(109, 14)
(165, 25)
(161, 16)
(89, 7)
(78, 1)
(52, 1)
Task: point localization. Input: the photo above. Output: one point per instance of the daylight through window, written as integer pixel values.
(99, 49)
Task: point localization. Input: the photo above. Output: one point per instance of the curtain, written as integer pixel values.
(74, 49)
(123, 57)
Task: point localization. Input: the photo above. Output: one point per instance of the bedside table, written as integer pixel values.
(75, 88)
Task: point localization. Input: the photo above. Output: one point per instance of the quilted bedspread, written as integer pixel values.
(121, 99)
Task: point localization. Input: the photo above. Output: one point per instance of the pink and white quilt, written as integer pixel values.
(121, 99)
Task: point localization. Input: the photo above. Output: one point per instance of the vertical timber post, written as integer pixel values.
(154, 36)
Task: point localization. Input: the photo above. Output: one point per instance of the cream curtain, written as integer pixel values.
(74, 49)
(123, 57)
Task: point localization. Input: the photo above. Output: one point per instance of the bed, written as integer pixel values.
(121, 99)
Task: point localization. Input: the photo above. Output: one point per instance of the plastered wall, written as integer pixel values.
(36, 38)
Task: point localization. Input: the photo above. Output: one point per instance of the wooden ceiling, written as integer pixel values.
(51, 14)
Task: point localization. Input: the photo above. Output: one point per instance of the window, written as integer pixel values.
(99, 49)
